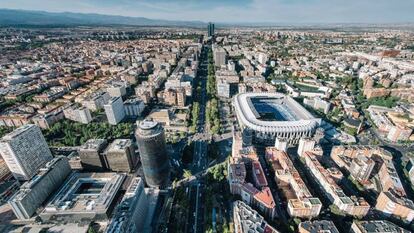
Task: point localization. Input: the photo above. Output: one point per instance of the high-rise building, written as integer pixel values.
(120, 156)
(210, 29)
(35, 191)
(305, 145)
(281, 144)
(115, 111)
(91, 155)
(131, 213)
(153, 153)
(220, 56)
(134, 107)
(25, 151)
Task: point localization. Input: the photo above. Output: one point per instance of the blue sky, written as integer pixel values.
(274, 11)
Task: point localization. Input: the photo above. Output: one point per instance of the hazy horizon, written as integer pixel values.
(237, 11)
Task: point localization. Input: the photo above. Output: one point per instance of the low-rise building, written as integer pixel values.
(355, 206)
(390, 203)
(375, 226)
(324, 226)
(84, 197)
(247, 220)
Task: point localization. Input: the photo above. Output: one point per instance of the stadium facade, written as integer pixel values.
(274, 115)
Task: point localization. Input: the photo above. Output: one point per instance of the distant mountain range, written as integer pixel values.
(9, 17)
(12, 17)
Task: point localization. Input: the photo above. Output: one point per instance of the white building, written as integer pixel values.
(134, 107)
(117, 88)
(115, 111)
(318, 104)
(81, 114)
(25, 151)
(220, 56)
(305, 145)
(96, 100)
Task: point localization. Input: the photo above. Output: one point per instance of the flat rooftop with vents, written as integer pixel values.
(84, 196)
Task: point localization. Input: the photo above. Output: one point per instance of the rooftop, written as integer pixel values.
(319, 226)
(85, 193)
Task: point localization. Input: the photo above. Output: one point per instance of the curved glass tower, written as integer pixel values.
(152, 151)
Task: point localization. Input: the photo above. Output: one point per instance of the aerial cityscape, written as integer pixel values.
(249, 116)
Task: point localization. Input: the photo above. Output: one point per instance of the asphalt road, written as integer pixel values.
(195, 221)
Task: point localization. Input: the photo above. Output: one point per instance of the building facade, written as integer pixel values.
(153, 153)
(25, 151)
(115, 111)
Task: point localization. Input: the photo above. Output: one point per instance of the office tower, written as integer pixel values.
(25, 151)
(220, 56)
(210, 29)
(115, 111)
(305, 145)
(153, 153)
(91, 155)
(131, 213)
(120, 156)
(35, 191)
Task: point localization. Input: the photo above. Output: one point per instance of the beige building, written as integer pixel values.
(389, 203)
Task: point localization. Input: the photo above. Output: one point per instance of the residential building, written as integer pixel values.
(375, 226)
(134, 107)
(247, 220)
(390, 203)
(115, 111)
(305, 145)
(324, 226)
(326, 178)
(301, 203)
(78, 114)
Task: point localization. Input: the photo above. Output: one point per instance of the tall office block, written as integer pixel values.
(115, 111)
(131, 212)
(35, 191)
(210, 29)
(153, 153)
(120, 156)
(25, 151)
(91, 155)
(220, 56)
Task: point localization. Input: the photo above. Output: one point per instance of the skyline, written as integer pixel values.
(238, 12)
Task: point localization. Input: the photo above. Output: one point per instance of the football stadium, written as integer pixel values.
(274, 115)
